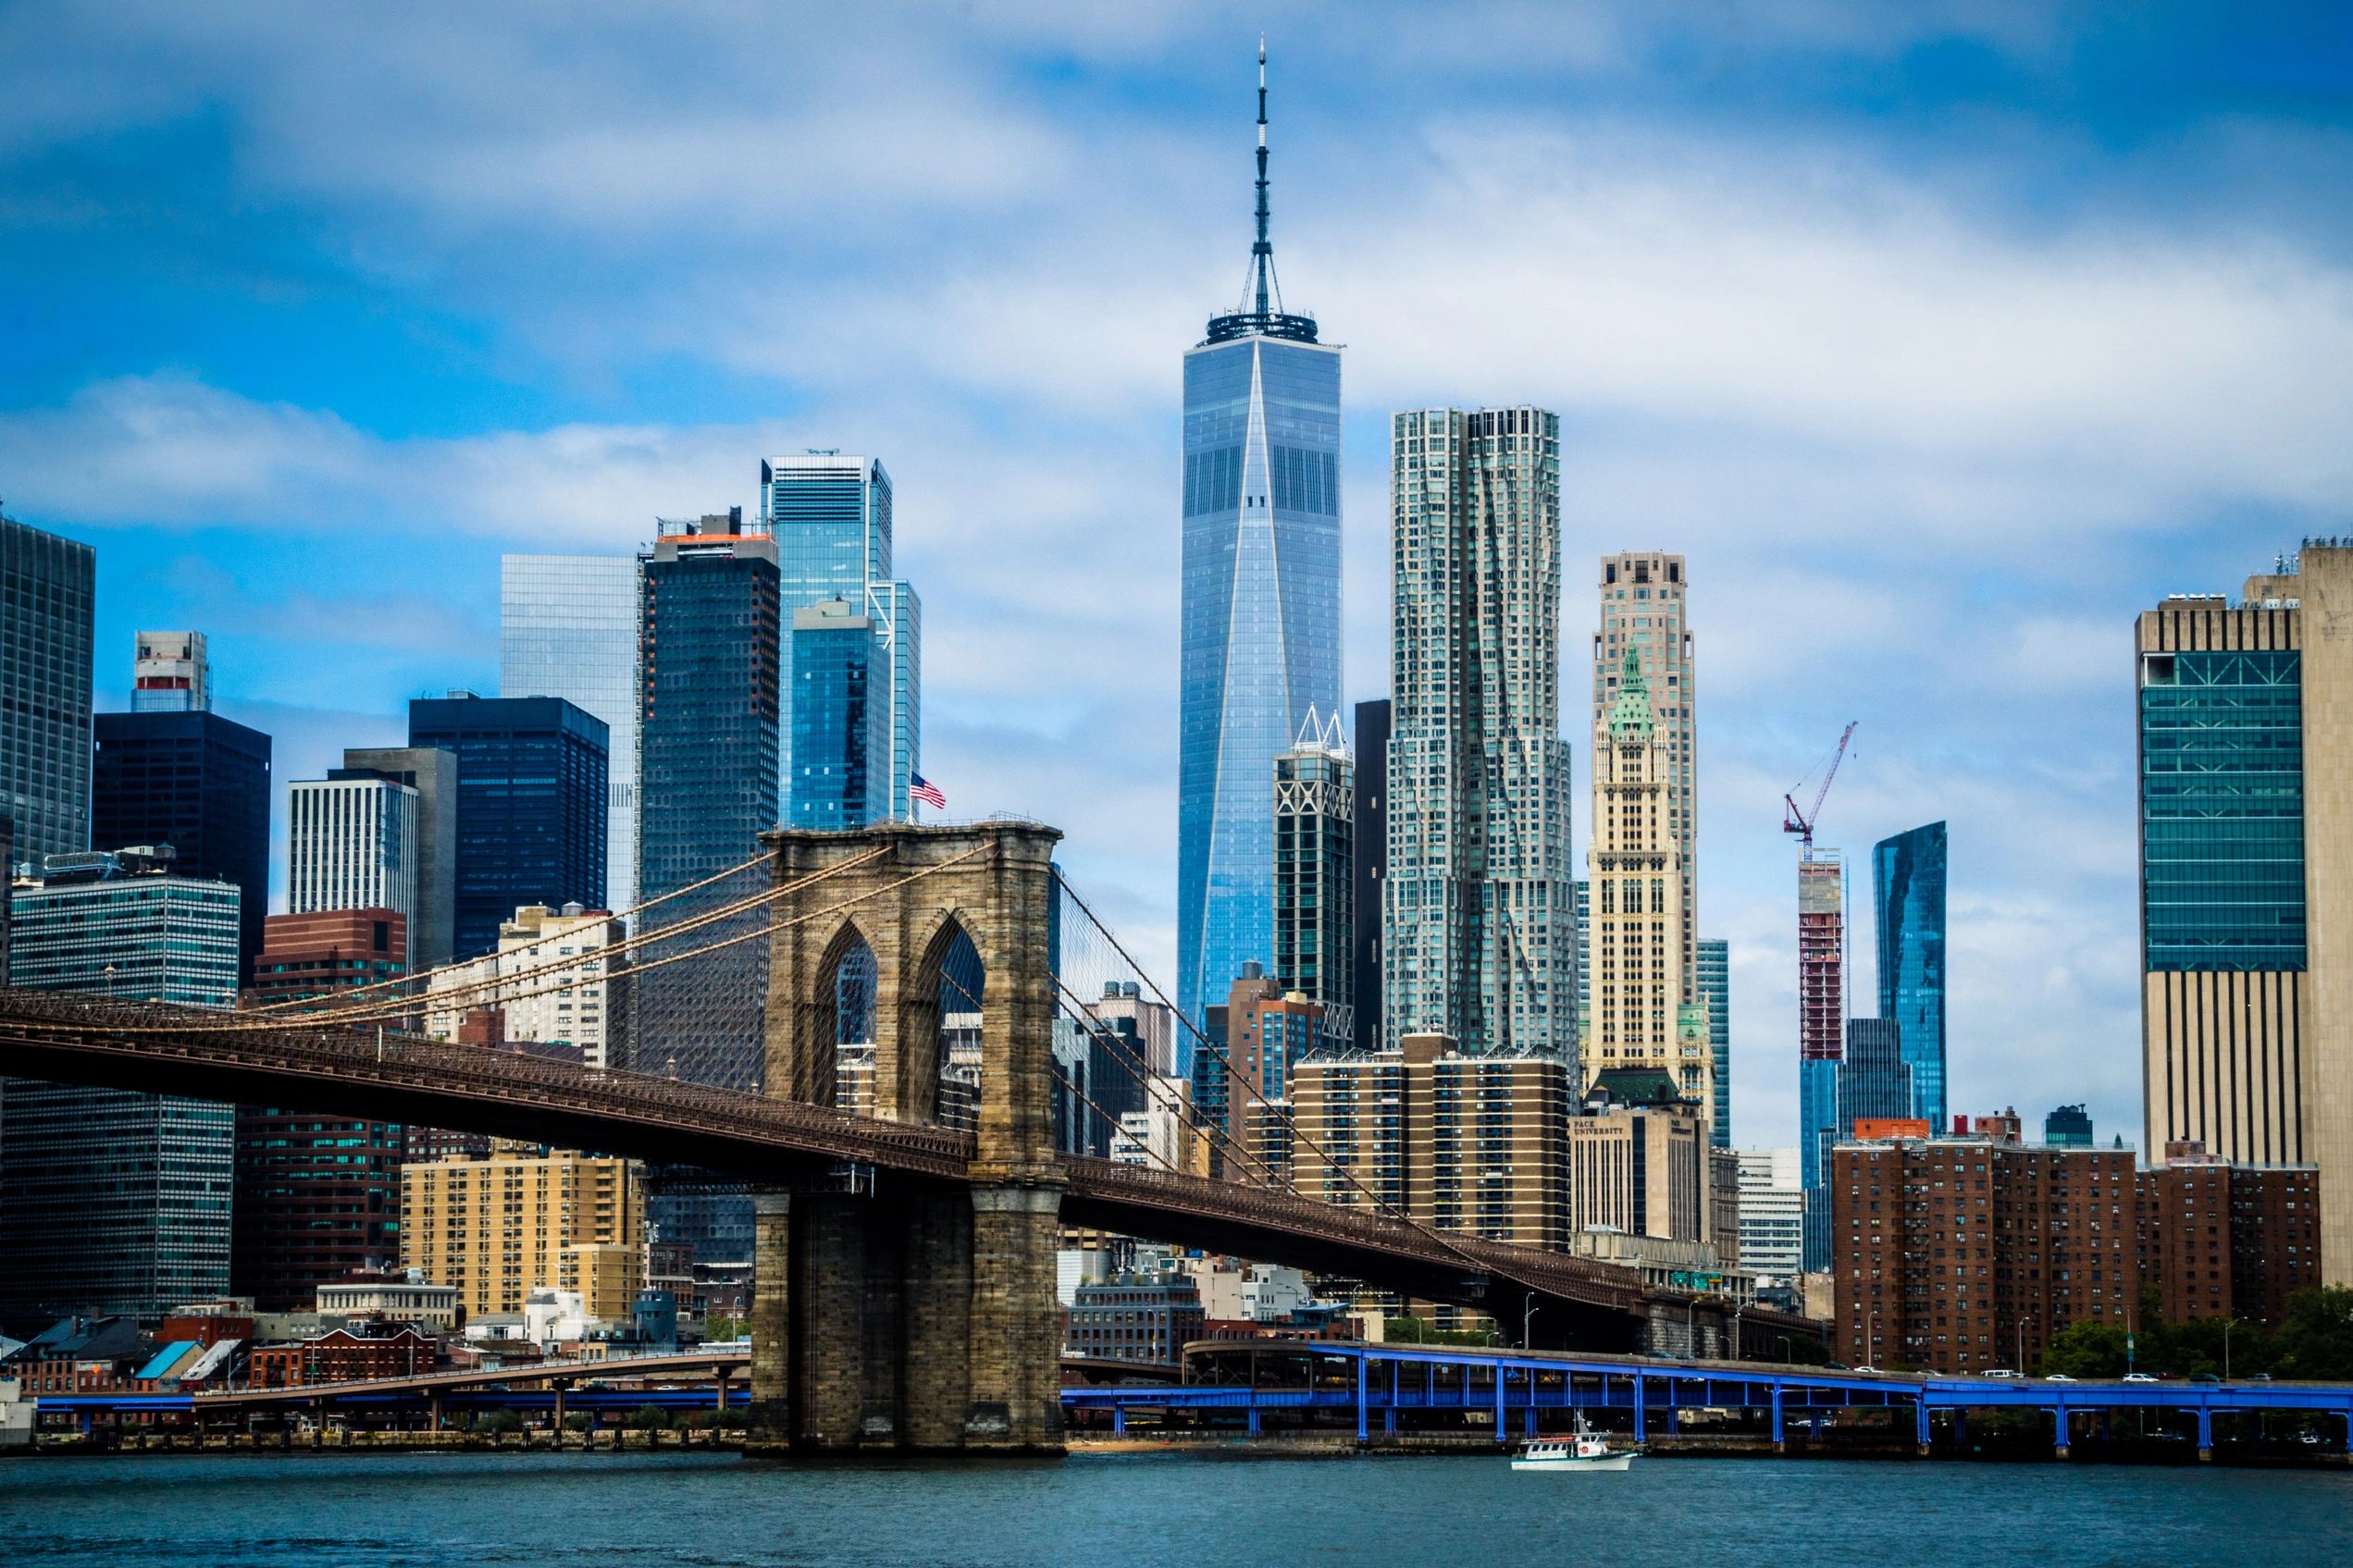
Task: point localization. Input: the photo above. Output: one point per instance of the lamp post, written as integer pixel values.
(2226, 1347)
(1736, 1310)
(1527, 1315)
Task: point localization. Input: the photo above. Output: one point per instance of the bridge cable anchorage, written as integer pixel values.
(1219, 1052)
(394, 1010)
(464, 963)
(496, 986)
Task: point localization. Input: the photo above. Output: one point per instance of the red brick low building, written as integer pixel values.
(1958, 1254)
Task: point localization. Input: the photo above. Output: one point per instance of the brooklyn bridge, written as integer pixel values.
(904, 1276)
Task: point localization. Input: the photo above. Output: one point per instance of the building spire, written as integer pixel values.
(1261, 310)
(1262, 254)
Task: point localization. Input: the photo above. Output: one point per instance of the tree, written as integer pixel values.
(498, 1423)
(2317, 1340)
(2085, 1349)
(648, 1418)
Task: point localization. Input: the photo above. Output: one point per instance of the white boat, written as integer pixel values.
(1587, 1451)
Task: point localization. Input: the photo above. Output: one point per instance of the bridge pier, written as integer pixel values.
(923, 1323)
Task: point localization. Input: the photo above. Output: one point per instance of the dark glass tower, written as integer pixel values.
(201, 784)
(840, 705)
(48, 601)
(707, 789)
(1910, 872)
(1260, 636)
(531, 789)
(1874, 1082)
(1370, 834)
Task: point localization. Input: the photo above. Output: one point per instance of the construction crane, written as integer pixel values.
(1801, 823)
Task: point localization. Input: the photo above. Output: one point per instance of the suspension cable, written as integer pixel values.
(454, 996)
(1298, 1137)
(463, 963)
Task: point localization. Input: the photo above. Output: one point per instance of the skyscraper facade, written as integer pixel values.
(568, 628)
(1822, 1005)
(171, 672)
(199, 783)
(830, 516)
(432, 773)
(48, 606)
(317, 1196)
(113, 1201)
(1716, 995)
(1643, 611)
(1368, 834)
(1875, 1082)
(350, 844)
(707, 787)
(2246, 724)
(1908, 871)
(840, 720)
(1314, 876)
(532, 783)
(1646, 1007)
(1478, 937)
(1260, 617)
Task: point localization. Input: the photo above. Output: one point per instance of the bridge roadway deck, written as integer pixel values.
(1377, 1382)
(387, 1075)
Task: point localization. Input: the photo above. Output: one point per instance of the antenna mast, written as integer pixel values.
(1262, 254)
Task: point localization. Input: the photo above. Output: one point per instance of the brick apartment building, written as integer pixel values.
(1957, 1254)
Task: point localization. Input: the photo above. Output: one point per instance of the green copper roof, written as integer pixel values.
(1632, 710)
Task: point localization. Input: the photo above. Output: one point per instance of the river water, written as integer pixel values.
(1134, 1510)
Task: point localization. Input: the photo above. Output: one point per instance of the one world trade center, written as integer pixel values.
(1261, 605)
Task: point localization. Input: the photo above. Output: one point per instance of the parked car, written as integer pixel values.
(2000, 1372)
(1873, 1370)
(2058, 1378)
(2138, 1377)
(2257, 1377)
(2205, 1377)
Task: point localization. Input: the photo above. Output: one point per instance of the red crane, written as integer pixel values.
(1801, 823)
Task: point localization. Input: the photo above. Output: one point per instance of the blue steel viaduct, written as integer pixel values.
(913, 1306)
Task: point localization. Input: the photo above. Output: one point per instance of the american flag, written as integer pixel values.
(925, 793)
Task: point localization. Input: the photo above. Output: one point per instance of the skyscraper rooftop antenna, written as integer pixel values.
(1261, 308)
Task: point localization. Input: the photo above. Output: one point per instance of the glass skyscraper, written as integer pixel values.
(707, 764)
(113, 1201)
(1875, 1082)
(1261, 619)
(1909, 870)
(48, 603)
(568, 628)
(1715, 990)
(531, 792)
(840, 720)
(199, 783)
(830, 515)
(1314, 876)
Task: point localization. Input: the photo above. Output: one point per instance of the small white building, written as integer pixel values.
(409, 1299)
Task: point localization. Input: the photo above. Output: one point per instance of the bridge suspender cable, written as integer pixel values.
(762, 930)
(397, 980)
(387, 1010)
(499, 988)
(1201, 1039)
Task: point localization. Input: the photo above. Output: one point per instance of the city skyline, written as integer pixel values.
(580, 448)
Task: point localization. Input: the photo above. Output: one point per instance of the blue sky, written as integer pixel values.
(1941, 338)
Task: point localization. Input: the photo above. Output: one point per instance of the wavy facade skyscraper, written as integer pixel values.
(1260, 636)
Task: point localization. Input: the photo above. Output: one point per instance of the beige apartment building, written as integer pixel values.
(1453, 1142)
(2245, 754)
(496, 1228)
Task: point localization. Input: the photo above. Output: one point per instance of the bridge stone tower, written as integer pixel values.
(890, 1315)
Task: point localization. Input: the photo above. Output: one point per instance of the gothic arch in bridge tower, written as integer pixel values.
(889, 1314)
